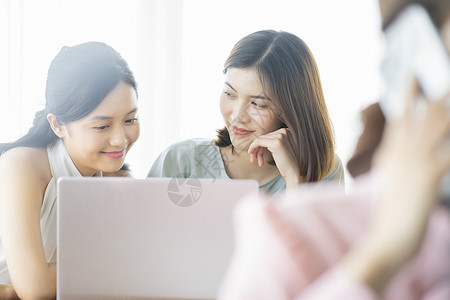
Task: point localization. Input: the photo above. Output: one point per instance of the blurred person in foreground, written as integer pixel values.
(388, 238)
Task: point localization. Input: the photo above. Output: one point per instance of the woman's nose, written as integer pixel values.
(240, 113)
(118, 138)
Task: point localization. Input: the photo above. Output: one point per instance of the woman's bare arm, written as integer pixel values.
(24, 176)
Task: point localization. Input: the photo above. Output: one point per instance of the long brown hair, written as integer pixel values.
(290, 78)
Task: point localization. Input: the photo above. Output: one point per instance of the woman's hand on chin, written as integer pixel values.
(277, 142)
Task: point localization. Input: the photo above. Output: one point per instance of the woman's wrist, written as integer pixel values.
(387, 246)
(372, 264)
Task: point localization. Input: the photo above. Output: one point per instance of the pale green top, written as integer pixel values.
(200, 158)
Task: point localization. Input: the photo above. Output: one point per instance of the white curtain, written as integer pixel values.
(146, 33)
(177, 48)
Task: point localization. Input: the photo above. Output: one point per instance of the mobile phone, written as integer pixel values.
(413, 48)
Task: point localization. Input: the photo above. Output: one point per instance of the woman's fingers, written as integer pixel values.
(257, 149)
(260, 156)
(277, 143)
(411, 98)
(439, 115)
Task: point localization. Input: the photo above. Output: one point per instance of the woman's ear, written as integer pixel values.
(58, 128)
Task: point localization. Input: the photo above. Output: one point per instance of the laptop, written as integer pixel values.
(165, 238)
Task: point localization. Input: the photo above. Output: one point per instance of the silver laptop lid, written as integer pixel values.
(150, 238)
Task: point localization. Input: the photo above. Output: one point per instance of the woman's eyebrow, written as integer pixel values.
(258, 97)
(132, 111)
(251, 96)
(230, 86)
(108, 118)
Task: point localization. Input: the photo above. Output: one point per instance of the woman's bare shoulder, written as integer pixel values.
(26, 164)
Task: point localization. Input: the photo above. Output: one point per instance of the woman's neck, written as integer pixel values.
(238, 166)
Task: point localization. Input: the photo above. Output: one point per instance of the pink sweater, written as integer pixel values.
(292, 250)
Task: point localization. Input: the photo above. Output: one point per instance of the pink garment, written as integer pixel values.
(292, 250)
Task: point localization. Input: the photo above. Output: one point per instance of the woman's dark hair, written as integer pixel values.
(78, 80)
(290, 79)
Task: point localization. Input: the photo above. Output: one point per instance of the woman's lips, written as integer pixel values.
(115, 154)
(240, 131)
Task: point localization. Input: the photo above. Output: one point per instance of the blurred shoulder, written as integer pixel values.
(182, 157)
(188, 148)
(191, 144)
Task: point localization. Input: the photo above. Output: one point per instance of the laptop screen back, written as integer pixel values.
(151, 238)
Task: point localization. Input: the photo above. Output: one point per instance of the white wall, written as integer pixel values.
(177, 49)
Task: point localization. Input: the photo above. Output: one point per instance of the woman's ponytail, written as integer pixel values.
(40, 135)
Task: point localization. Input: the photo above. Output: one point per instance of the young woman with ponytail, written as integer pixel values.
(87, 127)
